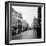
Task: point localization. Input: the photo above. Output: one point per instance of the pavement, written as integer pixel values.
(29, 34)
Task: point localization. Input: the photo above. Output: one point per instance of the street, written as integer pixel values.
(29, 34)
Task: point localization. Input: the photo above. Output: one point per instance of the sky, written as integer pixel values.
(28, 13)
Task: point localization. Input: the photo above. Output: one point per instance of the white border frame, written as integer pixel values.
(29, 40)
